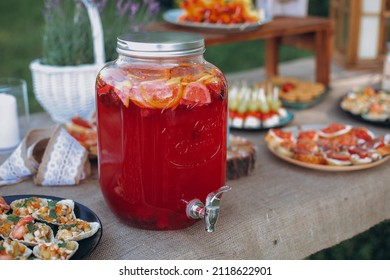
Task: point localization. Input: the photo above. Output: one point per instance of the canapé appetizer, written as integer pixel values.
(30, 233)
(337, 144)
(13, 250)
(26, 206)
(7, 223)
(56, 212)
(62, 250)
(370, 104)
(77, 230)
(4, 207)
(254, 107)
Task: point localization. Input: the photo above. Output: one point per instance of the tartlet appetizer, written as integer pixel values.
(7, 223)
(30, 233)
(275, 137)
(76, 230)
(34, 225)
(56, 212)
(13, 250)
(297, 91)
(27, 206)
(370, 104)
(4, 207)
(62, 250)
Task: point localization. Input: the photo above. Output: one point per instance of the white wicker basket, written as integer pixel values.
(67, 91)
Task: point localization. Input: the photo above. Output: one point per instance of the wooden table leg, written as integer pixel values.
(323, 46)
(272, 56)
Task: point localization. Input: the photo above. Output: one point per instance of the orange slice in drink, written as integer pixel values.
(196, 94)
(136, 97)
(162, 94)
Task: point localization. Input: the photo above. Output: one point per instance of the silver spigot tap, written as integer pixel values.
(209, 212)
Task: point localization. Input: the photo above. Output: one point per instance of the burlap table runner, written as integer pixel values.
(281, 211)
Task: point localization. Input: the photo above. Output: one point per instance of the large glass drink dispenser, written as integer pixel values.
(162, 115)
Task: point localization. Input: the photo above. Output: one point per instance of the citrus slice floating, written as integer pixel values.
(196, 94)
(162, 94)
(136, 97)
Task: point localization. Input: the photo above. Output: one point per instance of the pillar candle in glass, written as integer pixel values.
(14, 112)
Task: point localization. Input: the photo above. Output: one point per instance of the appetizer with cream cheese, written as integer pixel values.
(337, 144)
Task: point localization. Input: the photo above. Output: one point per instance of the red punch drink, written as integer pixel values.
(161, 130)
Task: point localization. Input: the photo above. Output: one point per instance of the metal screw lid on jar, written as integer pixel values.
(160, 44)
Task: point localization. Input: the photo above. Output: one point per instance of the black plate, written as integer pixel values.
(281, 123)
(385, 123)
(86, 246)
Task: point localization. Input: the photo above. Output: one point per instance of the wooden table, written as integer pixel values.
(313, 33)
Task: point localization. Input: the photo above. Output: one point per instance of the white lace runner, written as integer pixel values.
(15, 168)
(64, 160)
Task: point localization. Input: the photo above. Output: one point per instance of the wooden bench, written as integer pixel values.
(313, 33)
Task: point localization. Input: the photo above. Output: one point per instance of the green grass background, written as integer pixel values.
(21, 26)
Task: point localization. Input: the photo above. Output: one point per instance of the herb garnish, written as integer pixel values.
(52, 206)
(21, 204)
(68, 226)
(30, 227)
(13, 218)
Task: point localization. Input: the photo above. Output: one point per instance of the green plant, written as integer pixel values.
(67, 38)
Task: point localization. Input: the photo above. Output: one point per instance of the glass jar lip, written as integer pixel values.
(160, 44)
